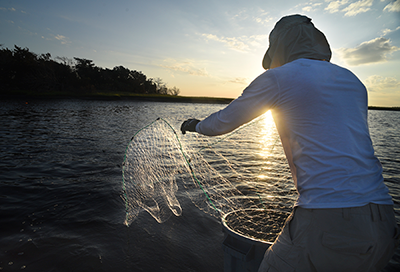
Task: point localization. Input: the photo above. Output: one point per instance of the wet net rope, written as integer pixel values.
(242, 176)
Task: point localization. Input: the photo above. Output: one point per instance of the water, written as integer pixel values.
(60, 189)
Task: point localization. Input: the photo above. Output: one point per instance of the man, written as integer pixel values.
(343, 219)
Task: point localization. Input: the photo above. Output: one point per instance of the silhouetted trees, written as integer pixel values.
(22, 70)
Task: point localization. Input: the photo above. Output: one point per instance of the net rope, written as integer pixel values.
(240, 176)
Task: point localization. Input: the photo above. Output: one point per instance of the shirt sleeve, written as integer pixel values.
(261, 95)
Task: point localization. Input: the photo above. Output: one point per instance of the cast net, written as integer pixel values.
(242, 178)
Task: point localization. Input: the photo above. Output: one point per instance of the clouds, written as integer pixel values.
(213, 45)
(361, 6)
(382, 84)
(309, 7)
(358, 7)
(187, 67)
(349, 9)
(376, 50)
(393, 7)
(11, 9)
(335, 6)
(257, 15)
(239, 80)
(373, 51)
(5, 9)
(387, 31)
(233, 42)
(192, 68)
(246, 20)
(383, 91)
(241, 44)
(55, 37)
(61, 38)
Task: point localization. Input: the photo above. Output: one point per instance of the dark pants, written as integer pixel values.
(346, 239)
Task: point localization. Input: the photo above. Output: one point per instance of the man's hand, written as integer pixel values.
(189, 125)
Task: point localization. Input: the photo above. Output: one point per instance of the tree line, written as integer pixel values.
(23, 70)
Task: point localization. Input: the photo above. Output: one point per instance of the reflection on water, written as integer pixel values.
(60, 186)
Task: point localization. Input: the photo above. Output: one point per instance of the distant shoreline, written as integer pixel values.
(149, 98)
(114, 97)
(384, 108)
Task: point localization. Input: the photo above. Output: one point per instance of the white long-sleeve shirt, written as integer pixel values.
(320, 111)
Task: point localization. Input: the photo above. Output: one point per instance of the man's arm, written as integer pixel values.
(261, 95)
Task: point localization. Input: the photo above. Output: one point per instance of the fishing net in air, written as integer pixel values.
(242, 178)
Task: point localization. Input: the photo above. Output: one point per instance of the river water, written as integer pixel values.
(60, 189)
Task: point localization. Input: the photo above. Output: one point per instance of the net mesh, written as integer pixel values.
(242, 177)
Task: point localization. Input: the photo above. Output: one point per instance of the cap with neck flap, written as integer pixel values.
(295, 37)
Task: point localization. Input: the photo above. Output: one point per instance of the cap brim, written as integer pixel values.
(266, 63)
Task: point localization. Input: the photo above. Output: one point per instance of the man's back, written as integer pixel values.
(321, 115)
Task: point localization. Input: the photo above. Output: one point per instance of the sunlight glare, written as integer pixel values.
(268, 118)
(268, 135)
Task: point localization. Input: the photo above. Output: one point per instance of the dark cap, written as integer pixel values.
(282, 27)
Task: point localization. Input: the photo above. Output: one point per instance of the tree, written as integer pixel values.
(161, 87)
(21, 69)
(87, 73)
(66, 61)
(7, 72)
(174, 91)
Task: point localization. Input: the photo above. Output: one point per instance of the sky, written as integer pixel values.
(208, 48)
